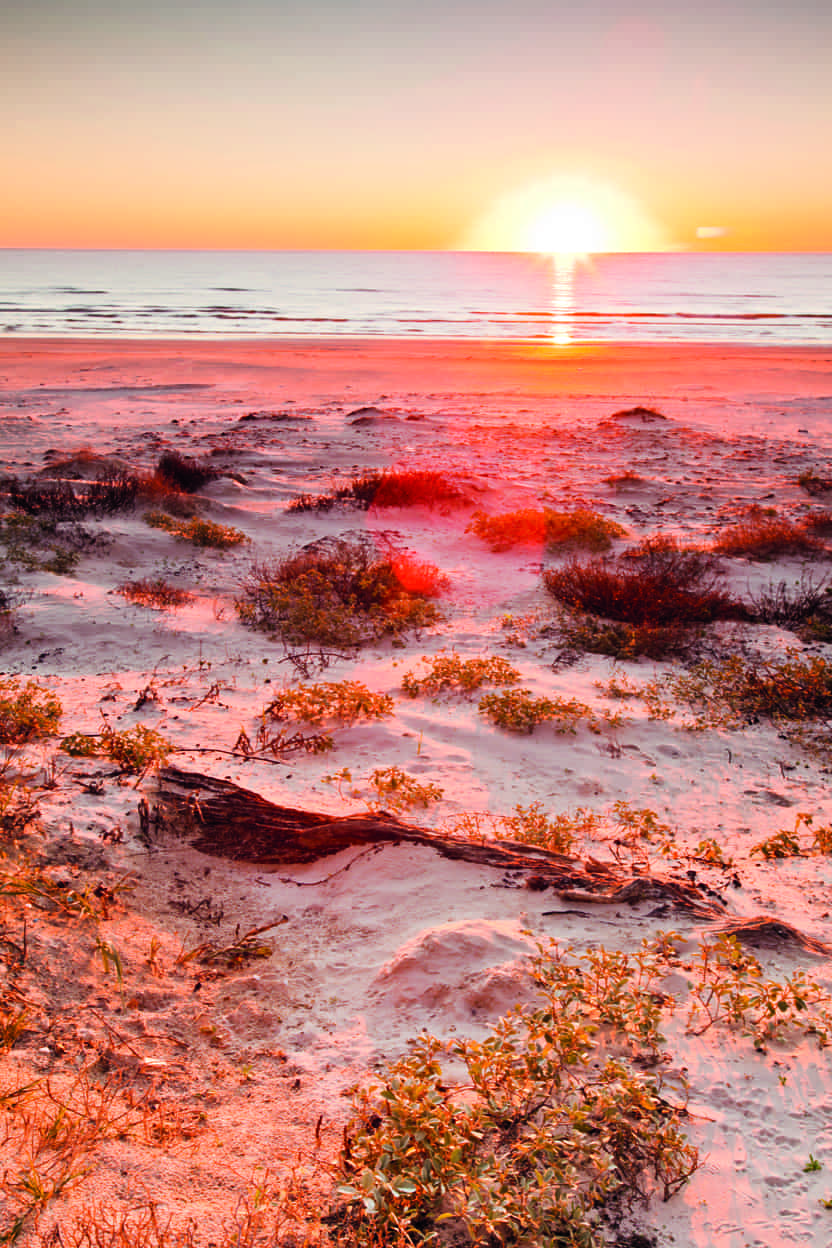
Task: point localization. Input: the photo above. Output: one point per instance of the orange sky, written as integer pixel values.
(362, 123)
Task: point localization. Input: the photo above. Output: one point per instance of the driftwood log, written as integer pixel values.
(219, 817)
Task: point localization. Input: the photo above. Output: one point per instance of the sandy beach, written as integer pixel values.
(229, 1079)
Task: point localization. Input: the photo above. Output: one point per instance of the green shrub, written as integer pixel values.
(517, 710)
(447, 672)
(27, 711)
(344, 700)
(397, 791)
(537, 1133)
(622, 641)
(562, 530)
(341, 593)
(204, 533)
(178, 472)
(133, 749)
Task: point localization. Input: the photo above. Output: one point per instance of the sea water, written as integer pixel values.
(752, 298)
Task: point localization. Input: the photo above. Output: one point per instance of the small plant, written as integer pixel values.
(158, 594)
(394, 487)
(813, 483)
(763, 534)
(531, 826)
(133, 749)
(803, 608)
(622, 641)
(447, 672)
(341, 593)
(27, 711)
(711, 852)
(562, 530)
(812, 1165)
(780, 845)
(203, 533)
(178, 472)
(395, 790)
(518, 710)
(345, 700)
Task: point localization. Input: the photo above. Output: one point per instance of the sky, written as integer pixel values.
(429, 124)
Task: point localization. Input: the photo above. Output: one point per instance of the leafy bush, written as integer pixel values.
(133, 749)
(341, 593)
(763, 534)
(517, 710)
(556, 529)
(394, 487)
(397, 791)
(344, 700)
(531, 826)
(448, 672)
(657, 584)
(27, 711)
(623, 641)
(813, 483)
(158, 594)
(204, 533)
(181, 473)
(537, 1134)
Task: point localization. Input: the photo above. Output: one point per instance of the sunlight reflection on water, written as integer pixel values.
(563, 298)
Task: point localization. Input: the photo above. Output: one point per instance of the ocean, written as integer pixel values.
(751, 298)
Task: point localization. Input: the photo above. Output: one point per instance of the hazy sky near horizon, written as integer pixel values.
(379, 123)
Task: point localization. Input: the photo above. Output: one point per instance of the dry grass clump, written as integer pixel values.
(135, 750)
(805, 608)
(763, 534)
(179, 472)
(619, 640)
(341, 592)
(518, 710)
(202, 533)
(27, 711)
(818, 523)
(158, 594)
(562, 530)
(656, 583)
(394, 487)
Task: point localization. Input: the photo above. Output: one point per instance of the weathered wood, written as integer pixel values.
(221, 818)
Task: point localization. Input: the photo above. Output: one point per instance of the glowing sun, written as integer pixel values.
(566, 216)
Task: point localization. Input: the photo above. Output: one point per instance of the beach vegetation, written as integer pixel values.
(447, 672)
(530, 825)
(804, 608)
(525, 1136)
(762, 534)
(518, 710)
(135, 750)
(557, 530)
(42, 544)
(396, 790)
(657, 583)
(156, 593)
(711, 853)
(622, 481)
(341, 593)
(197, 531)
(814, 482)
(391, 487)
(622, 641)
(28, 711)
(179, 472)
(347, 701)
(74, 500)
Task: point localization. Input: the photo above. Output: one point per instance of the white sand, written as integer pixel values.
(404, 939)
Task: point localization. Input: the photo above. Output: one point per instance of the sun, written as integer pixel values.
(566, 215)
(569, 227)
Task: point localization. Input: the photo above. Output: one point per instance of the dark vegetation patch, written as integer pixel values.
(654, 583)
(636, 416)
(66, 500)
(44, 544)
(390, 488)
(182, 473)
(341, 592)
(813, 483)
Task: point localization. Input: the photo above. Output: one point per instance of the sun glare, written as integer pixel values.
(568, 228)
(566, 215)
